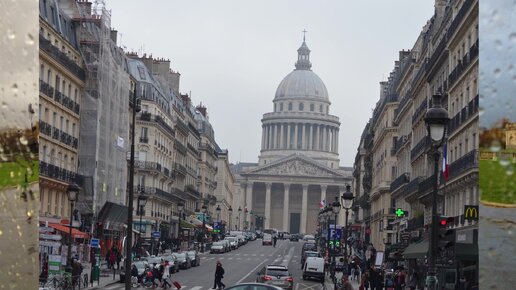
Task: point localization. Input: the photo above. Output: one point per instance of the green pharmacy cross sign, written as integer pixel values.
(400, 213)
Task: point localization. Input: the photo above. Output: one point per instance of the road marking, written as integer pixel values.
(254, 255)
(252, 271)
(194, 288)
(112, 287)
(262, 255)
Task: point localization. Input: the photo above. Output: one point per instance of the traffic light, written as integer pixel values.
(446, 236)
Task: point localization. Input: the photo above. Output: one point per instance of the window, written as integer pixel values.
(290, 106)
(61, 123)
(320, 108)
(45, 11)
(144, 132)
(70, 90)
(49, 76)
(64, 86)
(58, 82)
(75, 96)
(53, 15)
(42, 72)
(73, 129)
(311, 107)
(54, 119)
(301, 106)
(281, 107)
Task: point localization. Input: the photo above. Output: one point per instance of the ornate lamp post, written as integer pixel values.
(180, 207)
(73, 191)
(218, 210)
(436, 119)
(239, 212)
(204, 209)
(245, 219)
(336, 210)
(347, 203)
(230, 210)
(142, 201)
(251, 220)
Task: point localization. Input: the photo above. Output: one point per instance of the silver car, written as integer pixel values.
(194, 258)
(277, 275)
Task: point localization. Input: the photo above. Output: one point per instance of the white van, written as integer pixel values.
(314, 268)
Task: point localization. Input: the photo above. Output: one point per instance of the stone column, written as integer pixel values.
(288, 136)
(274, 136)
(267, 137)
(311, 138)
(263, 137)
(337, 141)
(295, 135)
(286, 193)
(317, 137)
(249, 196)
(324, 134)
(323, 194)
(267, 205)
(304, 211)
(303, 136)
(282, 136)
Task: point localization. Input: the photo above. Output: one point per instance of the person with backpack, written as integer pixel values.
(166, 276)
(219, 274)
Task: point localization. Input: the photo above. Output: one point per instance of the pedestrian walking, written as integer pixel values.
(118, 259)
(399, 281)
(108, 255)
(413, 280)
(274, 240)
(219, 274)
(346, 285)
(112, 259)
(166, 276)
(364, 281)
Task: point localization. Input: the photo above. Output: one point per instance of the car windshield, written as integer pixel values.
(312, 254)
(154, 260)
(168, 258)
(181, 256)
(218, 244)
(191, 253)
(231, 239)
(277, 272)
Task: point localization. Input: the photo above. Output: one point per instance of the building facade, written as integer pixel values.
(298, 166)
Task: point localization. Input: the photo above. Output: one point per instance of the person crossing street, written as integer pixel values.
(219, 274)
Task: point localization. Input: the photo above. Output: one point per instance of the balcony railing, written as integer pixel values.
(144, 140)
(56, 133)
(400, 142)
(458, 18)
(406, 98)
(419, 111)
(153, 191)
(147, 165)
(420, 147)
(181, 126)
(180, 169)
(56, 172)
(46, 89)
(45, 128)
(426, 185)
(145, 116)
(58, 96)
(463, 164)
(437, 52)
(180, 147)
(411, 187)
(464, 115)
(61, 57)
(421, 72)
(167, 127)
(463, 64)
(399, 181)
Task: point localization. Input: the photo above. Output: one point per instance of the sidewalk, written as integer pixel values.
(106, 276)
(329, 283)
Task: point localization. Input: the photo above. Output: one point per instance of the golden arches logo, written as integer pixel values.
(471, 213)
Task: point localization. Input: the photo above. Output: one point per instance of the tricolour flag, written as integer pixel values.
(322, 203)
(445, 162)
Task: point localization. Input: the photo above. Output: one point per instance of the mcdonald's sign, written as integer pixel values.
(471, 212)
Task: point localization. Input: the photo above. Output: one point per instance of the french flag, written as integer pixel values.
(322, 203)
(445, 162)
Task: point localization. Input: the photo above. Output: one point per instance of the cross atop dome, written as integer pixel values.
(303, 55)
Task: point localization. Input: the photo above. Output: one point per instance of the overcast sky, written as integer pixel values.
(232, 55)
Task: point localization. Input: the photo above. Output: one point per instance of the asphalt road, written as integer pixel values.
(18, 241)
(497, 248)
(241, 266)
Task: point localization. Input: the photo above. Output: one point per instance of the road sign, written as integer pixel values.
(94, 243)
(156, 234)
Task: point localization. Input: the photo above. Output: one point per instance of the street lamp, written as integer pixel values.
(142, 201)
(73, 191)
(136, 108)
(230, 210)
(239, 212)
(336, 210)
(251, 220)
(347, 203)
(204, 209)
(436, 119)
(218, 210)
(180, 207)
(245, 219)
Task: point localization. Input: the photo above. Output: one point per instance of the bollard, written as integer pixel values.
(114, 272)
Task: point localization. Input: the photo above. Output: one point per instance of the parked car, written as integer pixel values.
(241, 240)
(277, 275)
(294, 237)
(267, 240)
(308, 237)
(194, 258)
(308, 247)
(307, 254)
(183, 260)
(313, 267)
(227, 245)
(140, 265)
(286, 235)
(233, 241)
(172, 262)
(218, 248)
(153, 261)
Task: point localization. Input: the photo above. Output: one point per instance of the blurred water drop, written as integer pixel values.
(509, 171)
(10, 34)
(495, 146)
(23, 140)
(29, 39)
(497, 72)
(14, 87)
(12, 174)
(504, 162)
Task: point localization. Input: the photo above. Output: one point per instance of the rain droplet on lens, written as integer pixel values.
(10, 34)
(29, 39)
(14, 87)
(23, 140)
(495, 146)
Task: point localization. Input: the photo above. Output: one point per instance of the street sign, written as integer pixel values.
(46, 229)
(94, 243)
(50, 237)
(156, 234)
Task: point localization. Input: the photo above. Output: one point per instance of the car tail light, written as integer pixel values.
(267, 278)
(290, 279)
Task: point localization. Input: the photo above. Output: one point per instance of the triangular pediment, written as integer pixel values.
(295, 165)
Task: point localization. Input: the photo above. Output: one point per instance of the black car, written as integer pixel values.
(294, 237)
(184, 260)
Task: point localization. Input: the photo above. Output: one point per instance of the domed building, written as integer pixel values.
(298, 168)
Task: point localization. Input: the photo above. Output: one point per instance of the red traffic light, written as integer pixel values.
(444, 221)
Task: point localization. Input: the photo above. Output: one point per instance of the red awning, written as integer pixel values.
(76, 234)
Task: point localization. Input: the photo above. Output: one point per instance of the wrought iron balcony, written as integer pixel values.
(437, 52)
(45, 128)
(463, 64)
(420, 147)
(426, 185)
(147, 165)
(411, 187)
(399, 181)
(463, 116)
(458, 18)
(180, 147)
(144, 140)
(181, 126)
(463, 164)
(145, 116)
(58, 96)
(166, 126)
(56, 172)
(419, 111)
(61, 57)
(56, 133)
(180, 168)
(46, 89)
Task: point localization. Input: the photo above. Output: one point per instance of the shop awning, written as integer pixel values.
(185, 224)
(416, 250)
(209, 228)
(76, 234)
(113, 216)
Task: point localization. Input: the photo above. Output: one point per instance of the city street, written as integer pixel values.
(241, 266)
(497, 247)
(18, 240)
